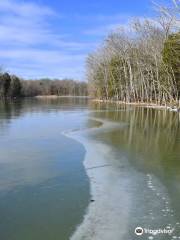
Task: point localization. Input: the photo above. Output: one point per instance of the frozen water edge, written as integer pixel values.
(107, 216)
(116, 190)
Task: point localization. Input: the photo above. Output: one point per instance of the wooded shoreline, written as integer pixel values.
(62, 96)
(12, 87)
(141, 65)
(174, 108)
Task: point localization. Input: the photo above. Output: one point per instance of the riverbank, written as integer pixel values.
(56, 96)
(175, 108)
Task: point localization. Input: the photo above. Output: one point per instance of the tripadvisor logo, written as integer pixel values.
(139, 231)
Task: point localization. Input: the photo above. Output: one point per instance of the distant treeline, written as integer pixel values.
(12, 87)
(141, 63)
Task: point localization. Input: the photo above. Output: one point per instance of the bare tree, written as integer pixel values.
(132, 67)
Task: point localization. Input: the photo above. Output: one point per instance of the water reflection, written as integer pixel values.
(41, 170)
(151, 140)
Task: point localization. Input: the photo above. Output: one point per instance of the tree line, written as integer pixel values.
(141, 63)
(13, 87)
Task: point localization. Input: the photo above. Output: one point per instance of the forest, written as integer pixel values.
(13, 87)
(139, 63)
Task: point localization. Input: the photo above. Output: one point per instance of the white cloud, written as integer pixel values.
(31, 48)
(40, 56)
(27, 9)
(25, 23)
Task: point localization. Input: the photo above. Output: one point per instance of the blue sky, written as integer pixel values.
(51, 38)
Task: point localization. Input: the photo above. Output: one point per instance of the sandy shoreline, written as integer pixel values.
(146, 105)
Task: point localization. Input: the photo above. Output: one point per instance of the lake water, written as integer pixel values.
(44, 187)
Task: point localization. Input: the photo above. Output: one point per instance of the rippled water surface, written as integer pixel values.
(44, 188)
